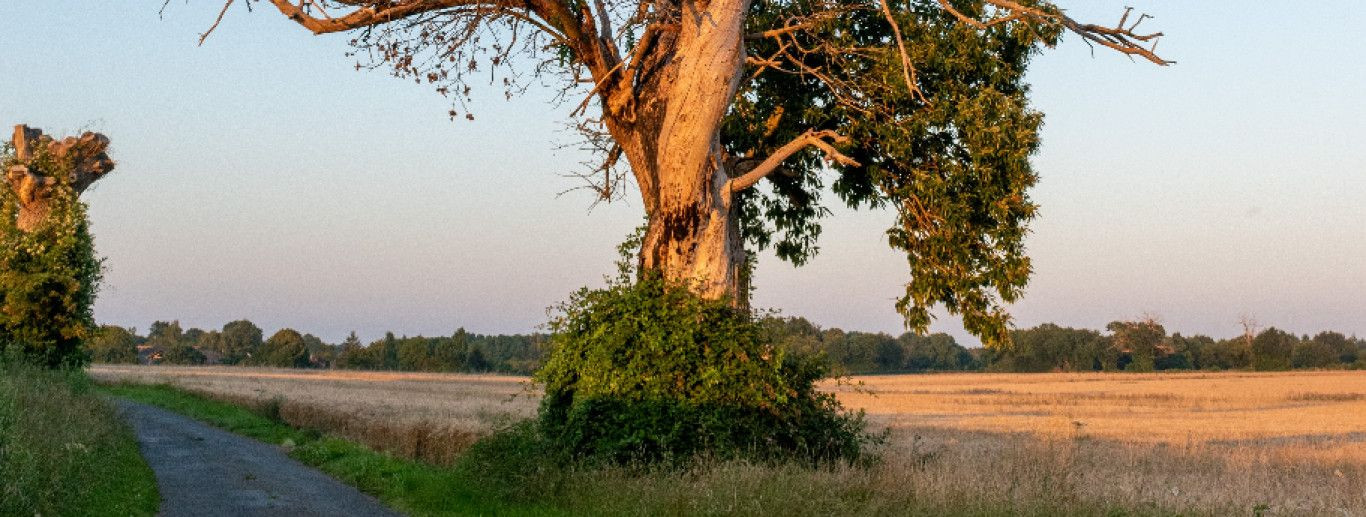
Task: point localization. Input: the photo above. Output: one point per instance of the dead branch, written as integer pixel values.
(1119, 38)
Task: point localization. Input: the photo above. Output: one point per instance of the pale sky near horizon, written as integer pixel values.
(260, 176)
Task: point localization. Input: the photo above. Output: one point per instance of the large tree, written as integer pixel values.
(916, 105)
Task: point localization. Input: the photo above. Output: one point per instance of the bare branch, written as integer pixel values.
(773, 162)
(216, 21)
(1119, 38)
(375, 13)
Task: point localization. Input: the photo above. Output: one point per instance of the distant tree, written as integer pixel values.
(856, 351)
(1186, 352)
(476, 362)
(1316, 353)
(320, 354)
(935, 352)
(1273, 349)
(1344, 347)
(350, 355)
(796, 335)
(211, 344)
(193, 336)
(1049, 347)
(1227, 354)
(1142, 340)
(166, 332)
(414, 354)
(182, 354)
(386, 352)
(114, 344)
(889, 356)
(449, 355)
(240, 341)
(285, 349)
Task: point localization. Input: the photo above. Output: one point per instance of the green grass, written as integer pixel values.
(65, 451)
(408, 486)
(507, 475)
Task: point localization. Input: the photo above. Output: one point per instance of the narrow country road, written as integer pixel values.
(205, 471)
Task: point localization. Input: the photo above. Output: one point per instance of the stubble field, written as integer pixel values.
(1289, 443)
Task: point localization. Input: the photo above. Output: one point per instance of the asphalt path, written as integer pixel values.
(205, 471)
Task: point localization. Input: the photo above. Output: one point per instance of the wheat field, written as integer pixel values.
(1291, 443)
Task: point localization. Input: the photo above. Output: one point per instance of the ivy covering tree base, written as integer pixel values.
(644, 371)
(49, 275)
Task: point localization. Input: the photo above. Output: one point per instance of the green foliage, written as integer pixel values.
(1140, 340)
(65, 451)
(1273, 350)
(49, 276)
(114, 344)
(1314, 353)
(867, 353)
(1227, 354)
(170, 344)
(1344, 348)
(647, 371)
(952, 159)
(239, 340)
(460, 352)
(166, 332)
(286, 349)
(1049, 347)
(181, 353)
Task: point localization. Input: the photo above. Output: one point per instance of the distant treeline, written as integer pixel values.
(242, 343)
(1133, 346)
(1130, 346)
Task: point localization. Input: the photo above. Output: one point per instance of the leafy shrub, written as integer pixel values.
(48, 277)
(644, 371)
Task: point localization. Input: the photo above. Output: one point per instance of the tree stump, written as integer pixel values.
(83, 160)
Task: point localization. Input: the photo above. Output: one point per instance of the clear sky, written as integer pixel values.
(260, 176)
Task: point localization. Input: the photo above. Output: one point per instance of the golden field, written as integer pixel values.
(1290, 443)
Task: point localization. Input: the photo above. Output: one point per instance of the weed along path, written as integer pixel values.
(204, 471)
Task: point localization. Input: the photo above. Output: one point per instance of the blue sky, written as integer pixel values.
(260, 176)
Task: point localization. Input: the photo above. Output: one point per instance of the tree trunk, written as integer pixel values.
(694, 235)
(698, 243)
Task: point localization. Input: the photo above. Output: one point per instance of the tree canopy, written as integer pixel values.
(919, 106)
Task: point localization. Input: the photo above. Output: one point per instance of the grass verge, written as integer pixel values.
(507, 474)
(65, 451)
(411, 487)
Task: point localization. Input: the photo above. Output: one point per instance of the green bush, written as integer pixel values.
(48, 277)
(645, 371)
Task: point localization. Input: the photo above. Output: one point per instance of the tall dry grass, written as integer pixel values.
(424, 416)
(1318, 416)
(1289, 443)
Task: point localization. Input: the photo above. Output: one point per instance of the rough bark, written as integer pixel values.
(693, 236)
(83, 159)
